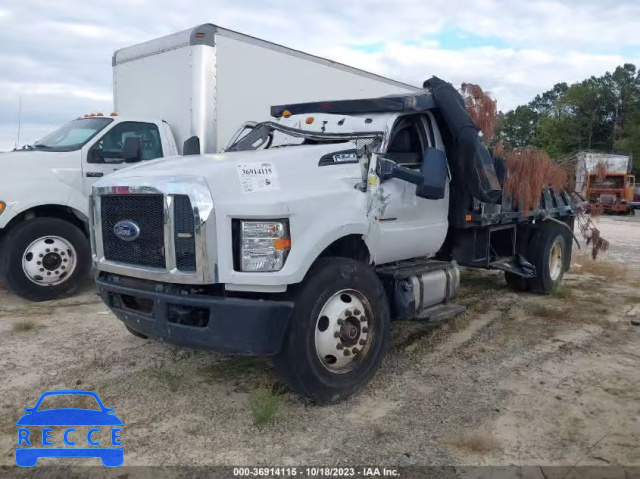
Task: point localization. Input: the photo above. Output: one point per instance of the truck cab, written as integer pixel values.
(44, 197)
(311, 232)
(611, 193)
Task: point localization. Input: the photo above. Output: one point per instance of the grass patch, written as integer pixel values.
(25, 325)
(263, 403)
(163, 377)
(475, 442)
(540, 311)
(563, 293)
(235, 368)
(600, 267)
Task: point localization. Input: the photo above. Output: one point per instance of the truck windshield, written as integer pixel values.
(73, 135)
(274, 135)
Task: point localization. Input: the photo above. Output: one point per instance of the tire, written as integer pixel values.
(136, 333)
(326, 297)
(63, 270)
(547, 252)
(517, 283)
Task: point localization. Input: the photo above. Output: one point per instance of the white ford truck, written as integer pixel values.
(314, 230)
(199, 83)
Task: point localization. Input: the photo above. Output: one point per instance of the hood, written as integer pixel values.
(23, 165)
(246, 173)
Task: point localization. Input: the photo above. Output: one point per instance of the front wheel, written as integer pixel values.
(45, 258)
(338, 333)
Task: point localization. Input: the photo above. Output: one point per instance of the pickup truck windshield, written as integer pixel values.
(73, 135)
(274, 135)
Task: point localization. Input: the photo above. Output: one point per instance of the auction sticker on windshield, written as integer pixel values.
(258, 177)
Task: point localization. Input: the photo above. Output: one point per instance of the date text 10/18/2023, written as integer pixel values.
(315, 472)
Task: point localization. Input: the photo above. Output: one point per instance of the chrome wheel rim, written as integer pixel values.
(49, 261)
(343, 331)
(555, 260)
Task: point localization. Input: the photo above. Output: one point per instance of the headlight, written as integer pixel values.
(264, 245)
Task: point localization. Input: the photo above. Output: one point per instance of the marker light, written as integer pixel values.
(286, 113)
(309, 120)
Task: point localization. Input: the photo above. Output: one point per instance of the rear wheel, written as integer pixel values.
(517, 283)
(45, 258)
(547, 252)
(338, 333)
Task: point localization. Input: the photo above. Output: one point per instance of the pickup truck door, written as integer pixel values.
(104, 155)
(410, 226)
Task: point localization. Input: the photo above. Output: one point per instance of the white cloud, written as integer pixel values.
(59, 60)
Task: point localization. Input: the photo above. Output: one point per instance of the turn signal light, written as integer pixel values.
(2, 207)
(280, 244)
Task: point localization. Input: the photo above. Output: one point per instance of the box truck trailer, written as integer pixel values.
(203, 83)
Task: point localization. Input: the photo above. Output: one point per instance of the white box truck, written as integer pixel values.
(203, 82)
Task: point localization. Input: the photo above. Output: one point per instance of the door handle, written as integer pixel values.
(94, 174)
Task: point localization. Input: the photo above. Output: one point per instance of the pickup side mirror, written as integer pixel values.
(430, 181)
(434, 173)
(132, 149)
(191, 146)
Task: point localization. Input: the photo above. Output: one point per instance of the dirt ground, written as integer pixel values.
(518, 379)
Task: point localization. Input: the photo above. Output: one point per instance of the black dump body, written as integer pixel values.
(478, 207)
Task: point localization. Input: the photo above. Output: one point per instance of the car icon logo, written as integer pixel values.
(126, 230)
(28, 452)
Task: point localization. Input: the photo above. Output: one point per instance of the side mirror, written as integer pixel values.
(434, 173)
(191, 146)
(388, 169)
(132, 149)
(430, 181)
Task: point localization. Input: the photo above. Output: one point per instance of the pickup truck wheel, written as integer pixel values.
(547, 252)
(45, 258)
(338, 333)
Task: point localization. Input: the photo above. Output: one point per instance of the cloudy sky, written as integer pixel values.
(56, 55)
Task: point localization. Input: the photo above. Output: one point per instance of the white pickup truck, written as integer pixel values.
(314, 230)
(198, 83)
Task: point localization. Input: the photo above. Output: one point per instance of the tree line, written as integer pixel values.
(599, 113)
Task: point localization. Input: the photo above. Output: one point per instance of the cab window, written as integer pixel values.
(408, 142)
(109, 149)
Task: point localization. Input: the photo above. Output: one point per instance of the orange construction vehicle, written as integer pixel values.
(612, 192)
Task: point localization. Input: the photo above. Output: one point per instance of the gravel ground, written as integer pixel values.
(517, 380)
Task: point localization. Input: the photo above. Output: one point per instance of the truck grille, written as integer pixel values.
(147, 211)
(184, 232)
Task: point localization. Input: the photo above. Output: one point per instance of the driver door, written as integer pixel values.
(410, 226)
(105, 155)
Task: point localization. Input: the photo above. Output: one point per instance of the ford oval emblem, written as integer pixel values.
(126, 230)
